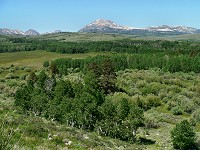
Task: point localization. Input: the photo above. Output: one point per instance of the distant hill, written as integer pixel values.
(108, 26)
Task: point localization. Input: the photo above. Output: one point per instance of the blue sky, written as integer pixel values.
(71, 15)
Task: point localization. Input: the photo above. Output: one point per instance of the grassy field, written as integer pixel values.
(35, 59)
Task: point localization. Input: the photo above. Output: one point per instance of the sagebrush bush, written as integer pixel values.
(7, 137)
(196, 116)
(176, 110)
(27, 69)
(11, 76)
(23, 76)
(153, 101)
(170, 104)
(151, 122)
(11, 70)
(1, 70)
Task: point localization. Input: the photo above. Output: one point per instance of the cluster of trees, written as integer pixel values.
(82, 105)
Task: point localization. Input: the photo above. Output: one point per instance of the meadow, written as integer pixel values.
(35, 59)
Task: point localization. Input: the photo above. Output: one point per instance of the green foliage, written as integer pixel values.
(7, 136)
(183, 136)
(196, 116)
(11, 76)
(82, 105)
(123, 109)
(64, 88)
(46, 64)
(177, 110)
(32, 78)
(27, 69)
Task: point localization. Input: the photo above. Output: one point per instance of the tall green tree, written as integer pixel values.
(108, 76)
(183, 136)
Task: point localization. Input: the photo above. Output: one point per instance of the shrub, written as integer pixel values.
(27, 69)
(11, 76)
(177, 110)
(183, 136)
(12, 83)
(170, 105)
(23, 76)
(153, 101)
(150, 122)
(46, 64)
(36, 129)
(11, 70)
(196, 116)
(1, 70)
(7, 137)
(2, 80)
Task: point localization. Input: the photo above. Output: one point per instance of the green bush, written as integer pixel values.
(150, 122)
(46, 64)
(36, 129)
(2, 80)
(23, 76)
(177, 110)
(11, 76)
(1, 70)
(27, 69)
(12, 83)
(153, 101)
(183, 136)
(7, 137)
(196, 116)
(11, 70)
(170, 105)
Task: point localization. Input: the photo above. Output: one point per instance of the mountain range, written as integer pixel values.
(18, 32)
(108, 26)
(30, 32)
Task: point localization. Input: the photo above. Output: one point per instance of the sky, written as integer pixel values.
(72, 15)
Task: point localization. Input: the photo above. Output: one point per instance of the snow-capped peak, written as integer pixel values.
(102, 24)
(166, 28)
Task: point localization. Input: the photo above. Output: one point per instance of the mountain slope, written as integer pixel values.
(31, 32)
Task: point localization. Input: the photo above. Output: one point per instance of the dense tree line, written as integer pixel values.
(172, 63)
(82, 105)
(122, 46)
